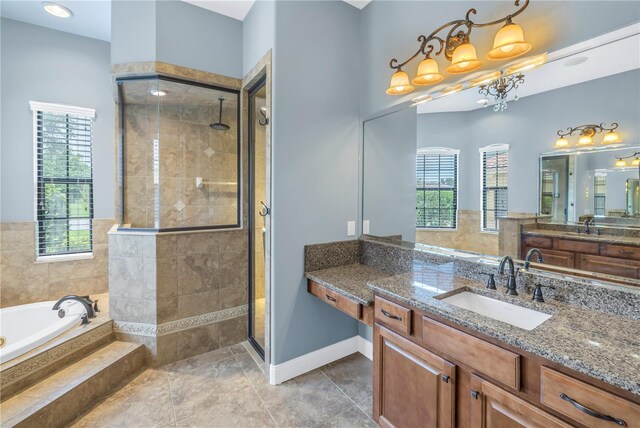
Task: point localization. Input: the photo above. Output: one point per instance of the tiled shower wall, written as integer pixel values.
(187, 148)
(22, 280)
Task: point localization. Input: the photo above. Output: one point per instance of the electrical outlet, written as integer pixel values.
(365, 227)
(351, 228)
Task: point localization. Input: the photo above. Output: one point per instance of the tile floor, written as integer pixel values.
(226, 388)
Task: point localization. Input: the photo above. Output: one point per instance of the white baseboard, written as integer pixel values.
(289, 369)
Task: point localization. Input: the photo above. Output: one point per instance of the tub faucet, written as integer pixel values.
(511, 280)
(86, 302)
(527, 259)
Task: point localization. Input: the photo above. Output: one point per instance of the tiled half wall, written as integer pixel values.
(180, 294)
(23, 280)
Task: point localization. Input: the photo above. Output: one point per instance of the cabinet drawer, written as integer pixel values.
(483, 357)
(584, 403)
(621, 251)
(393, 315)
(578, 246)
(557, 258)
(336, 300)
(537, 242)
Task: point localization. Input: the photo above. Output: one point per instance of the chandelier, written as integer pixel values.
(457, 48)
(499, 89)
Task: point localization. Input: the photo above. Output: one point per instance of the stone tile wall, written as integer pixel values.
(22, 280)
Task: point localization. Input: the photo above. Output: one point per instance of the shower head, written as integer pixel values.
(219, 126)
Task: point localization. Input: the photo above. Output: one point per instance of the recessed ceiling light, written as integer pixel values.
(482, 101)
(57, 10)
(157, 93)
(572, 62)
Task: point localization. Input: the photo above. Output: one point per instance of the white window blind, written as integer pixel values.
(495, 171)
(437, 188)
(64, 179)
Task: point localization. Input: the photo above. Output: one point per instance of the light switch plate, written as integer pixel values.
(351, 228)
(365, 227)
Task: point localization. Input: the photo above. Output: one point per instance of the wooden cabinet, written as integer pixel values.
(393, 315)
(341, 302)
(592, 256)
(493, 407)
(412, 386)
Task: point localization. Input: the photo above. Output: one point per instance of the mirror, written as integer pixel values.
(588, 186)
(453, 172)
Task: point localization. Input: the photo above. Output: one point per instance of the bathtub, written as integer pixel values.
(26, 327)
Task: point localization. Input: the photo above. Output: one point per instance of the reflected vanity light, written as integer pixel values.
(451, 90)
(421, 100)
(621, 162)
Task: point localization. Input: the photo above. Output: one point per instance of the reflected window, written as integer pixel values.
(494, 176)
(599, 194)
(64, 178)
(437, 188)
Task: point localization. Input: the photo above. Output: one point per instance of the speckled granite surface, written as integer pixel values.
(332, 254)
(600, 345)
(608, 239)
(350, 281)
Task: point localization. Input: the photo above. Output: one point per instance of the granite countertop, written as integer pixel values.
(601, 345)
(349, 280)
(609, 239)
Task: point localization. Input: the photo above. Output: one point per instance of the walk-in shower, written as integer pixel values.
(179, 155)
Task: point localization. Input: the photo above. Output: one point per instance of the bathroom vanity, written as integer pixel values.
(439, 362)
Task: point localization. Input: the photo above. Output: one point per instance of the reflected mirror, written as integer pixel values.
(460, 170)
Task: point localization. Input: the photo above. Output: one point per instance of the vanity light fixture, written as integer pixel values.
(587, 132)
(457, 48)
(57, 10)
(499, 89)
(621, 162)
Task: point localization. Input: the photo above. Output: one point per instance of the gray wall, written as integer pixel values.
(530, 126)
(389, 174)
(389, 30)
(45, 65)
(176, 32)
(315, 163)
(258, 33)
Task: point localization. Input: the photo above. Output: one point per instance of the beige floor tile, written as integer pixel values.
(351, 418)
(352, 375)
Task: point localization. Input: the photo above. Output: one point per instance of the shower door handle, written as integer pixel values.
(265, 210)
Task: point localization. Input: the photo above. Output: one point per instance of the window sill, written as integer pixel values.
(490, 232)
(64, 258)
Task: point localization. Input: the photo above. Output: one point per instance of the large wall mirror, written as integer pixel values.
(549, 163)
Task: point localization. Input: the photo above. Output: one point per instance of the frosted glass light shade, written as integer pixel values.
(621, 163)
(428, 73)
(611, 138)
(509, 43)
(561, 143)
(585, 140)
(464, 59)
(635, 162)
(399, 84)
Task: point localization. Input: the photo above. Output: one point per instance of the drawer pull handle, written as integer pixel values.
(475, 394)
(445, 378)
(625, 252)
(592, 412)
(331, 299)
(388, 315)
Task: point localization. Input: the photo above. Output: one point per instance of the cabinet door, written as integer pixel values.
(412, 387)
(493, 407)
(556, 258)
(610, 265)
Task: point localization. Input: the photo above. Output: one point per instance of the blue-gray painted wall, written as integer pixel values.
(390, 28)
(39, 64)
(315, 163)
(258, 33)
(178, 33)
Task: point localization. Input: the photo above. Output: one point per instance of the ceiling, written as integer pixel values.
(602, 56)
(90, 18)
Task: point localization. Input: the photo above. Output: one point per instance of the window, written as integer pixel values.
(64, 178)
(495, 161)
(437, 188)
(599, 185)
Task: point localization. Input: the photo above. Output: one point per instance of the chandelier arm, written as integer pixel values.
(506, 19)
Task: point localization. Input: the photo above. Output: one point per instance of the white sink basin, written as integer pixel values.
(518, 316)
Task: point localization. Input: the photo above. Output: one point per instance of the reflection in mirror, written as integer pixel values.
(454, 175)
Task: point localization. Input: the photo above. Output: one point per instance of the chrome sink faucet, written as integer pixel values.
(527, 259)
(511, 280)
